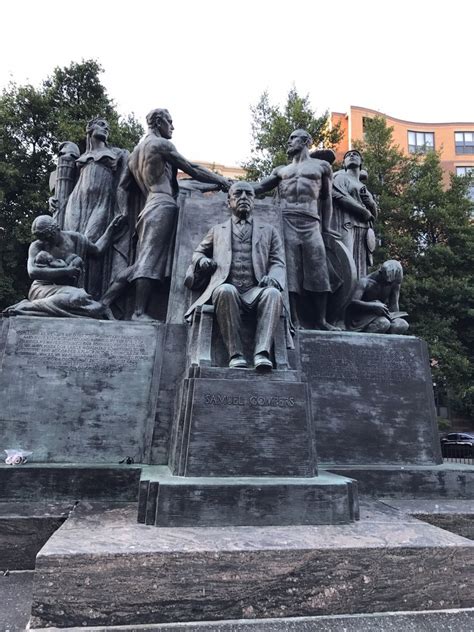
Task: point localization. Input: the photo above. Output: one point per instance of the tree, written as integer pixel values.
(429, 228)
(33, 121)
(271, 127)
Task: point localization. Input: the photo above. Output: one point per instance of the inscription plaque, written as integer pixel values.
(372, 398)
(238, 428)
(100, 352)
(78, 390)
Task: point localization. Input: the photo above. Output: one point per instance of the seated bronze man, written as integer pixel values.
(244, 261)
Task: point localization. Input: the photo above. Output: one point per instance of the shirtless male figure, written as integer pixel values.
(153, 165)
(304, 188)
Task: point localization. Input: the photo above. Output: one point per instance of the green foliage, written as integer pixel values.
(443, 424)
(33, 122)
(272, 125)
(428, 227)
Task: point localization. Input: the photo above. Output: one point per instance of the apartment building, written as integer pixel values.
(455, 141)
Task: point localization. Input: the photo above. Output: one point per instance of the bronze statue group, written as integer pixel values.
(113, 227)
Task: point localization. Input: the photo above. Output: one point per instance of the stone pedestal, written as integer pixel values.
(177, 501)
(372, 398)
(243, 453)
(79, 390)
(240, 423)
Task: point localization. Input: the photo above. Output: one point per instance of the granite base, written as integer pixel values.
(24, 529)
(101, 568)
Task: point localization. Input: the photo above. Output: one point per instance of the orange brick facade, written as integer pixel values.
(443, 134)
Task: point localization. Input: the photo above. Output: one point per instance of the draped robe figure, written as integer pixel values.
(354, 212)
(95, 200)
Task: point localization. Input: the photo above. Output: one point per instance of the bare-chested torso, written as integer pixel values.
(302, 184)
(152, 172)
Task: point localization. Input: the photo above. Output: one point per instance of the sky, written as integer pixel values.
(208, 61)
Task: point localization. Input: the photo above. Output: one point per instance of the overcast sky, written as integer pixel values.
(208, 61)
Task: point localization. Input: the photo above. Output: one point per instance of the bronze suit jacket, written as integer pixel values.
(268, 257)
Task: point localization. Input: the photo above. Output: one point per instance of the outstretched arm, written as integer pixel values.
(267, 184)
(172, 155)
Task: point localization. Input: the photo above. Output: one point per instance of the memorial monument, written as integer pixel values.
(239, 427)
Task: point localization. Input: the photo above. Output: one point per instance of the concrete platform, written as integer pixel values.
(102, 568)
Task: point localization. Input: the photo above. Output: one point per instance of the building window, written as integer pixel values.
(420, 142)
(464, 171)
(464, 142)
(467, 171)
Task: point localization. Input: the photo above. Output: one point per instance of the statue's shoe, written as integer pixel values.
(262, 362)
(238, 362)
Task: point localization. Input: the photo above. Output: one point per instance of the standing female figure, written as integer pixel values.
(95, 200)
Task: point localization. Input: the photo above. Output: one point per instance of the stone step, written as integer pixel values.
(64, 482)
(224, 373)
(459, 620)
(447, 480)
(24, 529)
(101, 568)
(173, 501)
(456, 516)
(15, 606)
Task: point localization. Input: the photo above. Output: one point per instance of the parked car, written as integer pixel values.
(458, 445)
